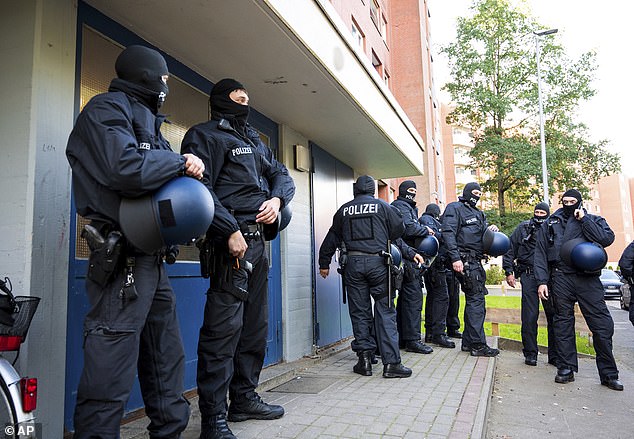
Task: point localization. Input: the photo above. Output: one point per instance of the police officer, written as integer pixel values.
(437, 302)
(365, 225)
(116, 150)
(570, 285)
(518, 264)
(463, 227)
(249, 188)
(410, 299)
(626, 263)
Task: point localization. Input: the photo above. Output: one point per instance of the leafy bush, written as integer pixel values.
(495, 275)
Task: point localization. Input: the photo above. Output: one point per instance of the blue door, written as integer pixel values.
(330, 176)
(185, 278)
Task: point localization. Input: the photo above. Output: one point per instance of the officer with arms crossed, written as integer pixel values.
(626, 263)
(116, 150)
(555, 264)
(437, 302)
(249, 187)
(518, 264)
(410, 299)
(365, 225)
(463, 227)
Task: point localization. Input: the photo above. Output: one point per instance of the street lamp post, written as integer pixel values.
(541, 112)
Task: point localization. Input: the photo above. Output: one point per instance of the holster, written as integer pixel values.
(205, 255)
(410, 272)
(397, 274)
(223, 274)
(106, 259)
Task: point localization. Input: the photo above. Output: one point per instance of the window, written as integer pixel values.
(376, 62)
(386, 77)
(374, 13)
(383, 28)
(358, 36)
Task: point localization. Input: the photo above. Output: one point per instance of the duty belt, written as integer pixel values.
(360, 253)
(252, 230)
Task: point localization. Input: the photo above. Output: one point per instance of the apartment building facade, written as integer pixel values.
(395, 38)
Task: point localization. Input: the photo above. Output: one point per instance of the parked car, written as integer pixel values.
(626, 295)
(611, 284)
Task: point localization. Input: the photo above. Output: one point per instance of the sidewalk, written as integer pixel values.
(527, 403)
(446, 397)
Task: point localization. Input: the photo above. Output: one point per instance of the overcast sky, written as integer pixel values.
(605, 26)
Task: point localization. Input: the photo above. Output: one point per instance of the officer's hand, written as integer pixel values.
(542, 291)
(510, 279)
(458, 267)
(430, 231)
(268, 211)
(494, 228)
(324, 272)
(237, 245)
(194, 167)
(579, 214)
(418, 259)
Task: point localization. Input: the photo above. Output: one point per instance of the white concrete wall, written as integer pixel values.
(37, 45)
(312, 22)
(297, 261)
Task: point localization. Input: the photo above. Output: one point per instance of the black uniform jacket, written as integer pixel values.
(413, 229)
(116, 150)
(558, 229)
(522, 250)
(363, 224)
(627, 261)
(436, 226)
(462, 229)
(239, 173)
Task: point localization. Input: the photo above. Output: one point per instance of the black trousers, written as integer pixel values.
(530, 315)
(366, 277)
(232, 342)
(588, 291)
(453, 308)
(409, 306)
(437, 302)
(475, 307)
(123, 338)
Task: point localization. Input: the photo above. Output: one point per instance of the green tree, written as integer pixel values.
(494, 88)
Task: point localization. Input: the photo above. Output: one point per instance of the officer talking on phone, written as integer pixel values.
(565, 249)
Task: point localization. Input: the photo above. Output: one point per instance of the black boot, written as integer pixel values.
(251, 406)
(396, 370)
(564, 375)
(216, 428)
(418, 347)
(454, 333)
(364, 365)
(443, 341)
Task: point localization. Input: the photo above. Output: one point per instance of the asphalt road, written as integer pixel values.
(527, 403)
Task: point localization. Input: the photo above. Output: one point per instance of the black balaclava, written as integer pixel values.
(467, 195)
(407, 191)
(139, 70)
(363, 186)
(541, 206)
(222, 105)
(433, 209)
(569, 210)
